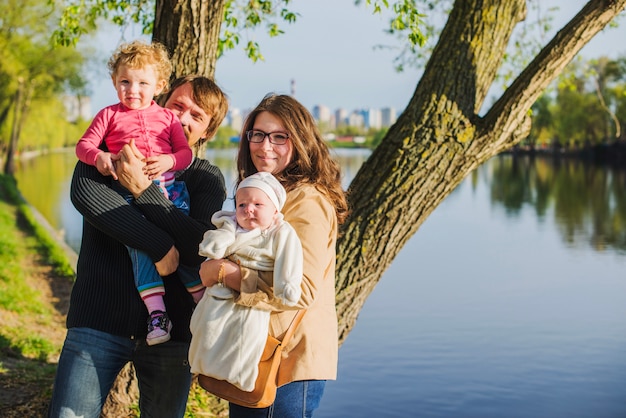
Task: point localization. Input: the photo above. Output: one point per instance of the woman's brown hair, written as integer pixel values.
(311, 162)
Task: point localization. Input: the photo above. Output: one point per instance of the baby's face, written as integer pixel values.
(254, 209)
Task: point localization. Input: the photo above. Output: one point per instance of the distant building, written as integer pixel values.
(371, 118)
(234, 118)
(321, 113)
(356, 119)
(388, 116)
(77, 107)
(332, 125)
(323, 116)
(341, 117)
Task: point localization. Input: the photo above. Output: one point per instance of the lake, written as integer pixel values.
(509, 302)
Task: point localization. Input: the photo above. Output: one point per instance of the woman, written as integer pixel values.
(281, 137)
(107, 319)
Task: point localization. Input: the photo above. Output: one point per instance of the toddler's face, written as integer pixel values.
(136, 87)
(254, 209)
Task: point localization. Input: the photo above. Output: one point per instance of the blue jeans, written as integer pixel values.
(293, 400)
(90, 361)
(147, 277)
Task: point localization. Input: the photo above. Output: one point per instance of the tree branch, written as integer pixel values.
(509, 112)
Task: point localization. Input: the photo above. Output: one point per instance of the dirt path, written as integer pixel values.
(25, 385)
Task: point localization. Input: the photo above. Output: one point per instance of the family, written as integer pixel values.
(162, 267)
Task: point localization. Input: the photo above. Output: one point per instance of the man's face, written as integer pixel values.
(194, 119)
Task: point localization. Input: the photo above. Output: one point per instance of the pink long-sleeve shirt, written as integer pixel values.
(156, 131)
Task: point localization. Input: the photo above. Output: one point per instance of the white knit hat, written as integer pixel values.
(267, 183)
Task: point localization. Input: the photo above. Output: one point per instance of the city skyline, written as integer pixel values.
(366, 118)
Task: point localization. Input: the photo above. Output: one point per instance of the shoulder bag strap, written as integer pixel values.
(292, 327)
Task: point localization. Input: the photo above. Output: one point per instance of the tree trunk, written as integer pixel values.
(9, 165)
(20, 110)
(190, 30)
(122, 395)
(440, 138)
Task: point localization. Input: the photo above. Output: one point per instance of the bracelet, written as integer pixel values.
(220, 275)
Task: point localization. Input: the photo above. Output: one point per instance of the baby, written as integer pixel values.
(228, 339)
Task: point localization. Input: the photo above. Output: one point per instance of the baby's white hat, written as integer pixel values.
(267, 183)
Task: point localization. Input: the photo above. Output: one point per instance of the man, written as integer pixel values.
(107, 319)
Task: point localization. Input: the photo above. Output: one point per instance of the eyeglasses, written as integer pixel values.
(257, 136)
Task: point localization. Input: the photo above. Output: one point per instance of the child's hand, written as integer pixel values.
(104, 164)
(157, 165)
(168, 264)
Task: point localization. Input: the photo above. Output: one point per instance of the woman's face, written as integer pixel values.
(194, 119)
(266, 156)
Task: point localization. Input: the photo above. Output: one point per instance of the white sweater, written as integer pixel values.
(228, 339)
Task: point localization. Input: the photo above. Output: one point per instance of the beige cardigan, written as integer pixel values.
(312, 352)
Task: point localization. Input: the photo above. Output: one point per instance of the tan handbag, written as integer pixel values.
(265, 387)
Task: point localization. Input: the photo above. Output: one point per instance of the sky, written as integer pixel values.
(331, 56)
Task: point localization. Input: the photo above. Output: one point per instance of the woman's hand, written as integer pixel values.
(209, 273)
(130, 166)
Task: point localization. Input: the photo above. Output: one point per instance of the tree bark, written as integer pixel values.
(190, 31)
(9, 165)
(122, 395)
(21, 104)
(440, 138)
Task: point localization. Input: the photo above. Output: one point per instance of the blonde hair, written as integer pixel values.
(139, 54)
(311, 162)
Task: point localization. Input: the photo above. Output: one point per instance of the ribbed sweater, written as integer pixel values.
(104, 296)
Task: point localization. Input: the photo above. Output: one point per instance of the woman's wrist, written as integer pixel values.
(214, 272)
(221, 276)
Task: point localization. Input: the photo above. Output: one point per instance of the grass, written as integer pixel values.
(22, 304)
(31, 328)
(35, 279)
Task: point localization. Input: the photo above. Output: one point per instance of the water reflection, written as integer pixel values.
(586, 201)
(44, 181)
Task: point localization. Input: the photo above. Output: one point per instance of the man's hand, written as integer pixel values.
(169, 263)
(129, 166)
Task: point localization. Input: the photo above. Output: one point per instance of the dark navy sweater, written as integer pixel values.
(104, 296)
